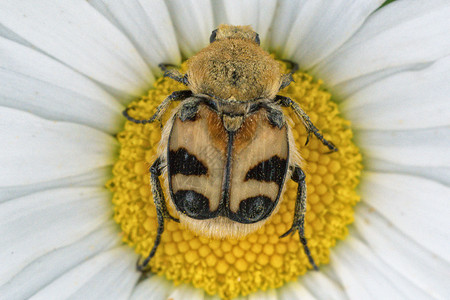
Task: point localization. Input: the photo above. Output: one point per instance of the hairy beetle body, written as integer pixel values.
(231, 181)
(216, 71)
(228, 149)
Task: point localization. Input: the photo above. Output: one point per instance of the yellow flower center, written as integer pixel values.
(261, 260)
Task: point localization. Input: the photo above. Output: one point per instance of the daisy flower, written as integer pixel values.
(75, 204)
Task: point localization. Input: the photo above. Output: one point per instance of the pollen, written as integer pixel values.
(260, 261)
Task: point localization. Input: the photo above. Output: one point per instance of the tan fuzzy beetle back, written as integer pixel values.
(234, 67)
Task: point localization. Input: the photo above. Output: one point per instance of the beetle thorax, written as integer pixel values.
(234, 68)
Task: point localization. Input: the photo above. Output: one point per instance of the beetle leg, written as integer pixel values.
(286, 79)
(294, 65)
(287, 102)
(299, 215)
(275, 116)
(173, 73)
(161, 210)
(161, 109)
(158, 195)
(189, 109)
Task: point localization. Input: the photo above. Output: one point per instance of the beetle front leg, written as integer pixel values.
(286, 79)
(300, 210)
(161, 109)
(161, 210)
(173, 73)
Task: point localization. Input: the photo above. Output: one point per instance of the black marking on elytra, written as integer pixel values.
(182, 162)
(193, 204)
(271, 170)
(253, 209)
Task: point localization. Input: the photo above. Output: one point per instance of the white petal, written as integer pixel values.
(400, 34)
(294, 290)
(414, 99)
(438, 174)
(257, 13)
(219, 13)
(109, 275)
(153, 288)
(416, 206)
(193, 20)
(416, 264)
(282, 23)
(11, 35)
(321, 286)
(148, 26)
(365, 276)
(92, 178)
(76, 34)
(186, 291)
(34, 82)
(424, 147)
(36, 150)
(346, 89)
(59, 262)
(309, 31)
(35, 225)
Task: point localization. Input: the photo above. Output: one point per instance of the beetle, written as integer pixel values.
(228, 150)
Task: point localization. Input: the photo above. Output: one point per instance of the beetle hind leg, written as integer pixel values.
(158, 195)
(161, 211)
(142, 267)
(299, 216)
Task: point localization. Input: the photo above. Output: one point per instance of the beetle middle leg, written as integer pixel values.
(161, 210)
(300, 210)
(287, 102)
(161, 109)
